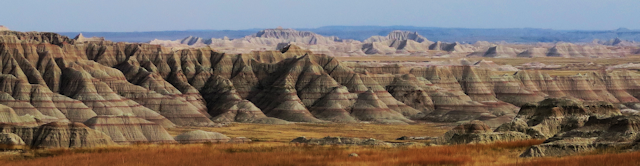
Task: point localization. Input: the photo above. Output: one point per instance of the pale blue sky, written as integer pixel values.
(160, 15)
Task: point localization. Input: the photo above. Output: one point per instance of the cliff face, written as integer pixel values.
(51, 78)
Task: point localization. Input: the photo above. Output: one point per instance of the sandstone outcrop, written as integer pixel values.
(67, 84)
(129, 129)
(468, 128)
(81, 38)
(479, 132)
(10, 141)
(450, 47)
(470, 95)
(130, 92)
(534, 52)
(59, 135)
(9, 116)
(490, 65)
(571, 126)
(618, 132)
(51, 78)
(554, 115)
(225, 104)
(269, 39)
(501, 52)
(568, 50)
(397, 42)
(398, 35)
(199, 136)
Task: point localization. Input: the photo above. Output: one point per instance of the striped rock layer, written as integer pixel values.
(199, 136)
(58, 135)
(50, 78)
(571, 126)
(395, 43)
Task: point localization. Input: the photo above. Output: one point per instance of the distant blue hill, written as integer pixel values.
(464, 35)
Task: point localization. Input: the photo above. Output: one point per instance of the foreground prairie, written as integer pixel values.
(271, 147)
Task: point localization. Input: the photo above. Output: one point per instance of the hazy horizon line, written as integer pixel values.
(329, 26)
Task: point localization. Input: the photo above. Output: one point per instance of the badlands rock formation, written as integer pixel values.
(571, 50)
(10, 117)
(597, 133)
(131, 92)
(199, 136)
(534, 52)
(10, 141)
(572, 126)
(3, 28)
(81, 38)
(501, 52)
(129, 129)
(617, 42)
(398, 43)
(58, 135)
(479, 132)
(269, 39)
(452, 47)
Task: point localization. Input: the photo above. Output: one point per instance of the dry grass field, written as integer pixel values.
(286, 133)
(276, 154)
(271, 147)
(273, 153)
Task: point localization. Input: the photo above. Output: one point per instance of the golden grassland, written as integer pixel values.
(632, 158)
(271, 147)
(275, 153)
(286, 133)
(270, 153)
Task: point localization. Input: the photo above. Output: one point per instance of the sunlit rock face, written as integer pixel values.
(51, 78)
(57, 135)
(396, 43)
(571, 126)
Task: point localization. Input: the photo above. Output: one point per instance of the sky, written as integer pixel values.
(163, 15)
